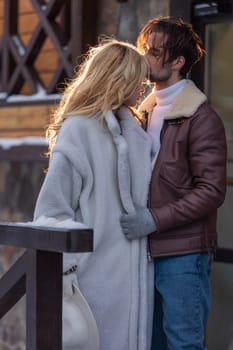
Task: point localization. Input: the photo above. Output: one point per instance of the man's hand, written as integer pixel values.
(138, 225)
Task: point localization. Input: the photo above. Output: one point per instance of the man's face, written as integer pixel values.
(160, 69)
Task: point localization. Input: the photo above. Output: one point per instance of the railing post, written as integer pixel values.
(44, 300)
(41, 264)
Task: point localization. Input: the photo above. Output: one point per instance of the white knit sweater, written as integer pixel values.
(164, 100)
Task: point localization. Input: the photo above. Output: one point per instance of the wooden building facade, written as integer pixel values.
(40, 43)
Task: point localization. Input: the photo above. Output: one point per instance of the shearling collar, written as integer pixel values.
(185, 104)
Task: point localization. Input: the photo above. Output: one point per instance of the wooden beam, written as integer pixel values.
(24, 153)
(46, 238)
(13, 285)
(44, 301)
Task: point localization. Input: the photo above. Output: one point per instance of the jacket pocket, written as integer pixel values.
(175, 175)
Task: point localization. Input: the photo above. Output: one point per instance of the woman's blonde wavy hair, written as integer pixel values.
(108, 75)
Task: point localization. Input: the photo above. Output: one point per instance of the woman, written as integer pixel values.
(100, 168)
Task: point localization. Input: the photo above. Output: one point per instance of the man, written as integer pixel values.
(188, 184)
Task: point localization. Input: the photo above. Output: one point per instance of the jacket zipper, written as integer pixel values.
(149, 256)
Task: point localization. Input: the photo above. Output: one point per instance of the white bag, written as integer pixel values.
(79, 329)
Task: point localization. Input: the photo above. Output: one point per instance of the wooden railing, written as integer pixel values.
(25, 153)
(38, 274)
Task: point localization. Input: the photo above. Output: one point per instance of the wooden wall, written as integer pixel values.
(20, 121)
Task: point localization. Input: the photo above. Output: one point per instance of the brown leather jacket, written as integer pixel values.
(188, 181)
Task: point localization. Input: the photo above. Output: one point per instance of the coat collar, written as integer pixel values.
(126, 124)
(185, 104)
(133, 148)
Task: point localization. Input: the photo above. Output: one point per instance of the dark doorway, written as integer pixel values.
(214, 21)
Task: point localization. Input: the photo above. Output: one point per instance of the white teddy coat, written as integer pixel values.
(96, 173)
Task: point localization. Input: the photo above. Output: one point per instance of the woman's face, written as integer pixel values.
(135, 98)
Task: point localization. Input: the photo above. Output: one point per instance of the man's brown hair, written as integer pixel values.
(181, 40)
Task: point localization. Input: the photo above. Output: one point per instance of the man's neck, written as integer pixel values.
(165, 84)
(166, 96)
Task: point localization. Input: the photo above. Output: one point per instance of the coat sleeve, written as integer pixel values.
(207, 159)
(59, 195)
(59, 198)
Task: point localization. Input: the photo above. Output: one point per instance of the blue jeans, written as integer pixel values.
(182, 302)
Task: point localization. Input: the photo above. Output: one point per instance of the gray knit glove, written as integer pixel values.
(138, 225)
